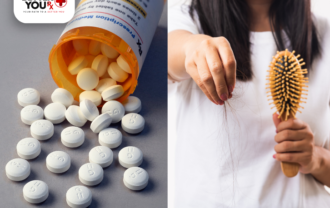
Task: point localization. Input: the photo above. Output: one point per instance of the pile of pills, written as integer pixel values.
(42, 121)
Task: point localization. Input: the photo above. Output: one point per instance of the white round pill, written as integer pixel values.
(101, 155)
(130, 157)
(110, 137)
(58, 162)
(122, 63)
(108, 51)
(31, 113)
(81, 46)
(136, 178)
(104, 84)
(89, 109)
(90, 174)
(55, 113)
(92, 95)
(77, 64)
(117, 73)
(132, 123)
(63, 96)
(72, 137)
(87, 79)
(132, 105)
(28, 148)
(28, 96)
(95, 47)
(75, 117)
(101, 122)
(112, 93)
(78, 197)
(115, 109)
(42, 129)
(35, 192)
(100, 64)
(18, 169)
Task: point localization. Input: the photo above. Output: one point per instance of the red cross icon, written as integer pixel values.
(61, 2)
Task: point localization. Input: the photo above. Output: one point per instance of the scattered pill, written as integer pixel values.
(112, 92)
(108, 51)
(89, 109)
(132, 123)
(110, 137)
(31, 113)
(122, 63)
(101, 122)
(35, 191)
(72, 137)
(28, 148)
(100, 64)
(132, 105)
(42, 129)
(95, 47)
(77, 64)
(104, 84)
(78, 197)
(136, 178)
(28, 96)
(87, 79)
(117, 73)
(92, 95)
(55, 113)
(18, 169)
(62, 96)
(74, 116)
(130, 157)
(101, 155)
(81, 46)
(115, 109)
(58, 162)
(90, 174)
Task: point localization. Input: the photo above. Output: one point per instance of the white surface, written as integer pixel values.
(89, 109)
(28, 148)
(31, 113)
(87, 79)
(110, 137)
(234, 165)
(90, 174)
(115, 109)
(79, 197)
(101, 155)
(55, 113)
(74, 116)
(94, 47)
(133, 123)
(77, 64)
(35, 191)
(100, 64)
(92, 95)
(72, 137)
(58, 162)
(81, 46)
(136, 178)
(28, 96)
(108, 51)
(104, 84)
(101, 122)
(18, 169)
(130, 157)
(112, 92)
(132, 104)
(117, 73)
(42, 129)
(123, 64)
(63, 96)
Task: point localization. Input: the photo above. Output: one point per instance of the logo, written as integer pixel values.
(60, 3)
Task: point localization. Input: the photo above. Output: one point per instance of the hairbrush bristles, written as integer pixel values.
(286, 83)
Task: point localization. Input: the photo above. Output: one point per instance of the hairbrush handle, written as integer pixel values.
(290, 169)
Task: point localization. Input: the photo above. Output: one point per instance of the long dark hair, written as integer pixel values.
(230, 19)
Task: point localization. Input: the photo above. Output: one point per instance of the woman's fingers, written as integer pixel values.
(301, 158)
(290, 135)
(292, 124)
(292, 146)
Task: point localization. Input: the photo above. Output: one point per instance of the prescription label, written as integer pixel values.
(135, 21)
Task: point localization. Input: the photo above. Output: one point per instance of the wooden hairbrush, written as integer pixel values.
(286, 82)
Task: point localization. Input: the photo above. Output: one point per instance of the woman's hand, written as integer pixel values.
(212, 65)
(296, 144)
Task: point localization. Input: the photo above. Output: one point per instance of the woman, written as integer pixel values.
(229, 144)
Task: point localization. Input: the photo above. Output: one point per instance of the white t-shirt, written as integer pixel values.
(224, 158)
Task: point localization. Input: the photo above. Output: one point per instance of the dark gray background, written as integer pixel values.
(24, 51)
